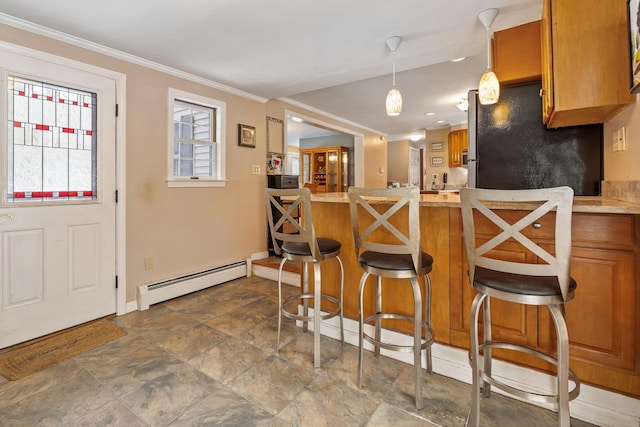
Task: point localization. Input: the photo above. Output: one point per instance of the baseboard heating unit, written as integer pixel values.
(167, 289)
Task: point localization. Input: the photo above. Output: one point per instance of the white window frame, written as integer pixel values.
(219, 180)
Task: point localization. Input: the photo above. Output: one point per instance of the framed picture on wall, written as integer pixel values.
(246, 136)
(437, 161)
(436, 146)
(633, 7)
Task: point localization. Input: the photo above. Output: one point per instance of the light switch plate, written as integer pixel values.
(620, 139)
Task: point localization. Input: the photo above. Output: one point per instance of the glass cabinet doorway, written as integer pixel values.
(325, 169)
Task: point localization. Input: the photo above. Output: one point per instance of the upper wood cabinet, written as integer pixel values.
(516, 54)
(585, 61)
(457, 143)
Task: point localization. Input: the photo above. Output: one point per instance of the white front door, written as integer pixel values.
(57, 209)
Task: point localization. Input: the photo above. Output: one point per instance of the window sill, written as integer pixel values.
(174, 183)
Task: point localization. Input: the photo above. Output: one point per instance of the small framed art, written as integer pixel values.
(436, 146)
(437, 161)
(246, 136)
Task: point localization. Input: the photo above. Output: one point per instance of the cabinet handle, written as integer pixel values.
(537, 225)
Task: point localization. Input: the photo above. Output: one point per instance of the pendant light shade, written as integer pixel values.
(489, 86)
(394, 102)
(394, 98)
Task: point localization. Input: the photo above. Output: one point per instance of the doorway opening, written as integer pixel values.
(305, 133)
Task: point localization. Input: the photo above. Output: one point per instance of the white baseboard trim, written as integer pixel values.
(131, 306)
(154, 293)
(593, 405)
(271, 273)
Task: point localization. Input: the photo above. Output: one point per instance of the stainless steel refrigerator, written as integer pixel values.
(510, 148)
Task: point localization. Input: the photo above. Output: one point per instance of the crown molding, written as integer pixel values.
(114, 53)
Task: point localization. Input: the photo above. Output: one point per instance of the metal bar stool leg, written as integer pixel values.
(317, 287)
(474, 413)
(378, 334)
(427, 310)
(279, 303)
(557, 313)
(417, 341)
(486, 313)
(305, 290)
(341, 300)
(363, 281)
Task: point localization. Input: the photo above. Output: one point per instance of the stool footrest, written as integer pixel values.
(524, 394)
(290, 314)
(395, 347)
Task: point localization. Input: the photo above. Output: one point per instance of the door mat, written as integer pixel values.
(23, 360)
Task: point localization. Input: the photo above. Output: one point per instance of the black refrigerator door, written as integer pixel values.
(514, 150)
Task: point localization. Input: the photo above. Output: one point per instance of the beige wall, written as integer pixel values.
(623, 165)
(398, 161)
(185, 230)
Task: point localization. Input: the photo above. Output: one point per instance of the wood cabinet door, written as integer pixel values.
(517, 55)
(601, 318)
(511, 322)
(546, 61)
(464, 139)
(589, 60)
(455, 149)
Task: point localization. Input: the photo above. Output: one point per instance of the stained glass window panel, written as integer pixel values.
(52, 139)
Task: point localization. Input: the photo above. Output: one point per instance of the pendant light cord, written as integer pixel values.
(488, 50)
(394, 69)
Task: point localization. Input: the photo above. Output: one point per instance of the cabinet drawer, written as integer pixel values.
(544, 232)
(611, 229)
(603, 228)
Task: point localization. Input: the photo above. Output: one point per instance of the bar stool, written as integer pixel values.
(545, 283)
(296, 241)
(399, 258)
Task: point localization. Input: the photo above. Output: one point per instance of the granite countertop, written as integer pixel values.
(591, 204)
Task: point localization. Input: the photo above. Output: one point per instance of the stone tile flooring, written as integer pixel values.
(209, 359)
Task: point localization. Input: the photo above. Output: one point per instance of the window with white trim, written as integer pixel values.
(196, 141)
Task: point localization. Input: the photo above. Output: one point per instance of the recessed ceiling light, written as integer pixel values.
(429, 114)
(414, 138)
(462, 58)
(440, 122)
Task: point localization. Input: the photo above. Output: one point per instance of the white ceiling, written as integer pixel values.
(328, 54)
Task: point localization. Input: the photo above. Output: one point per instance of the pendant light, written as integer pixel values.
(394, 98)
(489, 86)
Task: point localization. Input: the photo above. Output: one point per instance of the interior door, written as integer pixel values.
(414, 167)
(57, 212)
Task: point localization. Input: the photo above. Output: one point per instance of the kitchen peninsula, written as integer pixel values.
(603, 320)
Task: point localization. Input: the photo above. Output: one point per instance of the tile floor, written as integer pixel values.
(209, 359)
